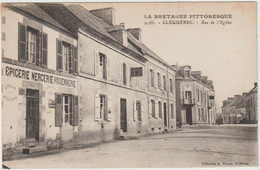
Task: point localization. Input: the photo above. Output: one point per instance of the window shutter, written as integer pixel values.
(155, 80)
(150, 108)
(108, 68)
(109, 105)
(134, 111)
(162, 109)
(75, 111)
(59, 55)
(38, 48)
(44, 50)
(106, 108)
(97, 107)
(74, 60)
(22, 43)
(96, 55)
(58, 110)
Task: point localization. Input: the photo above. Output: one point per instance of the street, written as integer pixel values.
(193, 146)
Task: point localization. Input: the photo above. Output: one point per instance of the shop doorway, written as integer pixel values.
(32, 114)
(123, 115)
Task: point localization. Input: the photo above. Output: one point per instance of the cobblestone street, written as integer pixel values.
(205, 146)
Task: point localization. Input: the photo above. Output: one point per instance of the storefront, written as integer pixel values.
(37, 105)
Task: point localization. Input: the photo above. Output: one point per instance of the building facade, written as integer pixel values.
(241, 108)
(39, 90)
(252, 105)
(195, 97)
(79, 78)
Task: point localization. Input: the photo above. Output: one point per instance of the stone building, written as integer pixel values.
(195, 97)
(80, 77)
(252, 105)
(241, 108)
(39, 83)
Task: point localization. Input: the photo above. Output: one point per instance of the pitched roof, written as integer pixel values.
(34, 10)
(89, 19)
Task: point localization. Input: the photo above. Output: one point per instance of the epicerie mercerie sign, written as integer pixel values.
(27, 74)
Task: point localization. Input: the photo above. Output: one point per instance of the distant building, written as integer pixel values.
(195, 97)
(252, 105)
(241, 108)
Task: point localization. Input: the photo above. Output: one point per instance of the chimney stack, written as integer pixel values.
(106, 14)
(136, 32)
(255, 84)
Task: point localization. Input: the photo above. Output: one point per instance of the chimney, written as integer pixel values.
(237, 96)
(119, 33)
(255, 84)
(136, 32)
(244, 94)
(106, 14)
(230, 98)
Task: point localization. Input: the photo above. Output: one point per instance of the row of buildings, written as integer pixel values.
(75, 76)
(241, 108)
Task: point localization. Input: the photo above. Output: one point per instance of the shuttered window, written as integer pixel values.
(66, 111)
(160, 109)
(172, 112)
(32, 45)
(66, 57)
(103, 108)
(153, 108)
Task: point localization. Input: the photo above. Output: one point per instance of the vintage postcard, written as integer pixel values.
(129, 85)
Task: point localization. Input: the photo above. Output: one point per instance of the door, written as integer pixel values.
(188, 116)
(165, 114)
(123, 115)
(32, 114)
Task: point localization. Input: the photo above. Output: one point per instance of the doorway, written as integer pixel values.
(123, 115)
(32, 114)
(188, 116)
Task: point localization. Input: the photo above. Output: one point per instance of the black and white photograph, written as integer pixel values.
(129, 85)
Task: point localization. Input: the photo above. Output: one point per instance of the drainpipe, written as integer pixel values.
(168, 103)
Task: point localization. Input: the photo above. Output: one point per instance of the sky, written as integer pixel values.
(227, 54)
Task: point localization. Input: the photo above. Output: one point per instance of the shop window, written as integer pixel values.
(32, 46)
(66, 110)
(160, 109)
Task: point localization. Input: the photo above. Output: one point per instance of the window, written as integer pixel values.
(164, 83)
(159, 80)
(67, 59)
(139, 110)
(160, 109)
(3, 19)
(67, 109)
(102, 108)
(171, 88)
(199, 113)
(198, 95)
(153, 108)
(202, 114)
(172, 112)
(152, 78)
(30, 48)
(3, 36)
(187, 73)
(201, 96)
(124, 73)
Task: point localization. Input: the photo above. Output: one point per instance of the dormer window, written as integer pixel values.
(186, 73)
